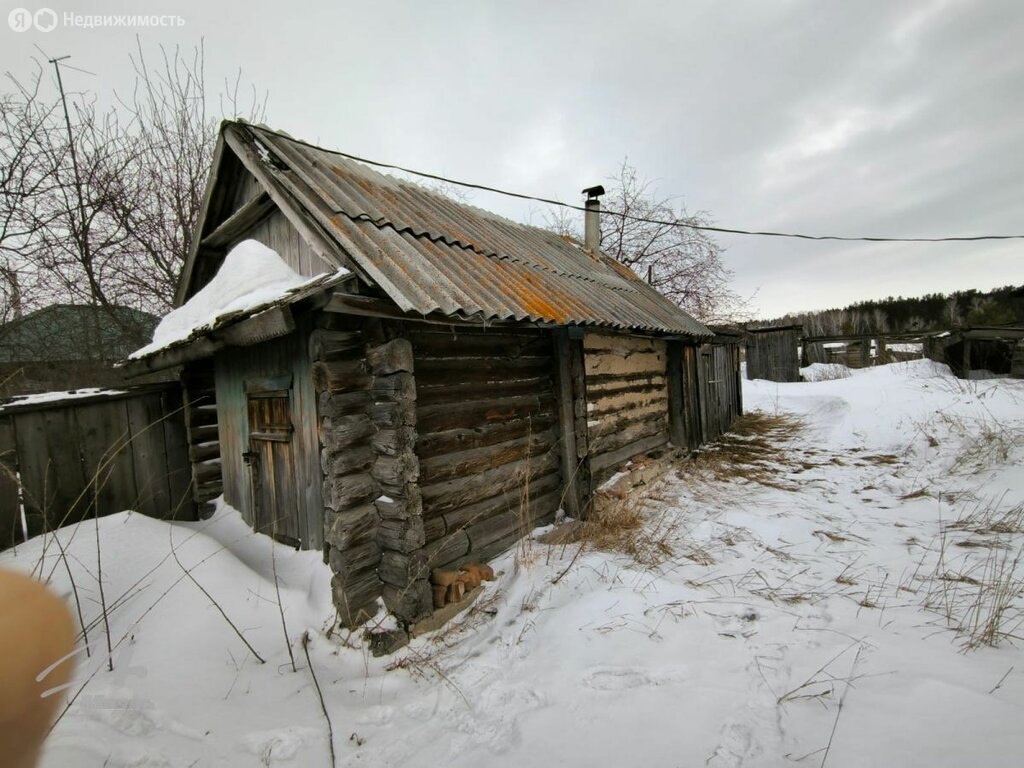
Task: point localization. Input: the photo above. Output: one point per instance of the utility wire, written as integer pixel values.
(642, 219)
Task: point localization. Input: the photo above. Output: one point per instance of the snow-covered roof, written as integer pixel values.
(44, 398)
(252, 279)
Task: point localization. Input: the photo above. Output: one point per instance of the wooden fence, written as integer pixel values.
(66, 460)
(772, 353)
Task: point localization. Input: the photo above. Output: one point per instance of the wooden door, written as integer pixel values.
(271, 460)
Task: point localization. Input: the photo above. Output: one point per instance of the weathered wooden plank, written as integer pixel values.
(327, 345)
(400, 507)
(340, 375)
(601, 422)
(204, 451)
(440, 418)
(10, 513)
(269, 324)
(449, 494)
(237, 225)
(106, 453)
(519, 521)
(393, 440)
(389, 415)
(355, 597)
(346, 491)
(476, 460)
(333, 404)
(396, 388)
(481, 510)
(619, 343)
(346, 459)
(207, 471)
(149, 456)
(503, 344)
(361, 558)
(400, 569)
(345, 431)
(433, 444)
(638, 382)
(351, 527)
(614, 439)
(438, 372)
(396, 471)
(394, 356)
(466, 392)
(614, 365)
(202, 415)
(447, 549)
(609, 461)
(406, 535)
(53, 481)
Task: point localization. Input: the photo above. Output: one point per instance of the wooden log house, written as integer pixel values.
(467, 378)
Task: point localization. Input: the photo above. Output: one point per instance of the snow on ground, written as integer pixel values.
(251, 278)
(790, 618)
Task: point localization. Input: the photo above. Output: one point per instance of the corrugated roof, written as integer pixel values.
(431, 254)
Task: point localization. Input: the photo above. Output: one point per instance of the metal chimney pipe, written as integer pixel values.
(592, 219)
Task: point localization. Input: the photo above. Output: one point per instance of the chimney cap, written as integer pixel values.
(594, 192)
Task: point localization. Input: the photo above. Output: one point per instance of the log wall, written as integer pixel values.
(627, 399)
(487, 439)
(348, 415)
(204, 450)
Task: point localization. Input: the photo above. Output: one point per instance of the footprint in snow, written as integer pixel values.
(279, 744)
(617, 679)
(378, 714)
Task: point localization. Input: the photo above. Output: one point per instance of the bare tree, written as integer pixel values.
(116, 193)
(25, 179)
(652, 236)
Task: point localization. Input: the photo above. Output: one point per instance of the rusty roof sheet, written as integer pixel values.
(431, 254)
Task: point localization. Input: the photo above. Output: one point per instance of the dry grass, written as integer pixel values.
(979, 593)
(755, 449)
(624, 528)
(986, 519)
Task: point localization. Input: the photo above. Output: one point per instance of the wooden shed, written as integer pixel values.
(980, 351)
(453, 377)
(773, 353)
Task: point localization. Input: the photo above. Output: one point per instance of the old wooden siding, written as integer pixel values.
(723, 399)
(72, 459)
(693, 397)
(487, 438)
(627, 399)
(772, 354)
(284, 359)
(276, 232)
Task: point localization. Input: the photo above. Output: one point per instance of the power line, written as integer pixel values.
(645, 220)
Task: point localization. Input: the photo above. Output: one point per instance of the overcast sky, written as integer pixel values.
(859, 118)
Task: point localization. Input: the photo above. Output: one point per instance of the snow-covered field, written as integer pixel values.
(812, 613)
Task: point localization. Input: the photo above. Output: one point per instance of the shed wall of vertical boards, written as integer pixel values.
(287, 359)
(772, 354)
(67, 460)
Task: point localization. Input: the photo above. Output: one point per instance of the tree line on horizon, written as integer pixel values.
(931, 312)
